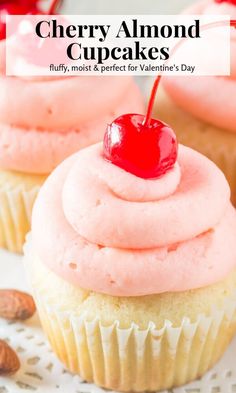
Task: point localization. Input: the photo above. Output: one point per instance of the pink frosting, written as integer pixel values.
(44, 120)
(109, 231)
(208, 98)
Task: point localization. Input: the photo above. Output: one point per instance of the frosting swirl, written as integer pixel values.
(112, 232)
(206, 97)
(44, 120)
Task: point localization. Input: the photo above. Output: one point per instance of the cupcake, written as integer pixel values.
(134, 274)
(42, 122)
(203, 109)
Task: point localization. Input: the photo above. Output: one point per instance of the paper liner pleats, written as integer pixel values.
(17, 195)
(133, 359)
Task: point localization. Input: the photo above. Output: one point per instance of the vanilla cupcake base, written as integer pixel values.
(217, 144)
(136, 344)
(17, 195)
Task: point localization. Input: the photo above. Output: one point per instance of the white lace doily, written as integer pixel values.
(41, 372)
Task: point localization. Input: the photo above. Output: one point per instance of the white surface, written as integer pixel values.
(11, 271)
(123, 6)
(41, 372)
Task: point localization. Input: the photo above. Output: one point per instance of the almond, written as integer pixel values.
(16, 305)
(9, 361)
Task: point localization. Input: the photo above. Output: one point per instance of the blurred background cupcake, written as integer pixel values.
(203, 109)
(42, 122)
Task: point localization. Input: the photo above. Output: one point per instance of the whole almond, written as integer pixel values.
(9, 361)
(16, 305)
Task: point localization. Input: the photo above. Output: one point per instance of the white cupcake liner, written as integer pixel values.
(133, 359)
(16, 205)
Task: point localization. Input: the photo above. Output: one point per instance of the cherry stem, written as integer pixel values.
(148, 116)
(53, 7)
(151, 101)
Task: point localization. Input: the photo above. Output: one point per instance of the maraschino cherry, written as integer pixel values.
(226, 1)
(15, 8)
(141, 145)
(21, 7)
(29, 3)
